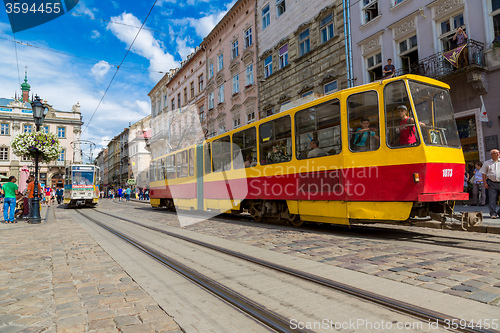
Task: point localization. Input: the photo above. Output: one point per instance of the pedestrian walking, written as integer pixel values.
(119, 194)
(146, 195)
(128, 191)
(491, 181)
(10, 190)
(59, 195)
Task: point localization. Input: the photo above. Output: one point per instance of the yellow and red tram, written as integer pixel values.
(383, 151)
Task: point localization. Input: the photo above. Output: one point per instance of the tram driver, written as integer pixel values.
(80, 179)
(407, 131)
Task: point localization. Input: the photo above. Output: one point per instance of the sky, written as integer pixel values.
(74, 57)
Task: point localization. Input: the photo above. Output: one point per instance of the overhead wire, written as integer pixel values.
(118, 67)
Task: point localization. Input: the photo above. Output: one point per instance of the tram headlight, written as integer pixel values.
(416, 177)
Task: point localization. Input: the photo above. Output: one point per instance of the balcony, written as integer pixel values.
(161, 135)
(437, 67)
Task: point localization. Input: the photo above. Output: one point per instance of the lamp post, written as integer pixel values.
(39, 116)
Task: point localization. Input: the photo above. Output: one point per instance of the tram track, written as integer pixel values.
(385, 232)
(414, 311)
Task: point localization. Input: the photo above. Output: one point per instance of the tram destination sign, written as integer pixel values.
(82, 168)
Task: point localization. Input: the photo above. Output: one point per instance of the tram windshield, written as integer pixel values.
(435, 115)
(83, 177)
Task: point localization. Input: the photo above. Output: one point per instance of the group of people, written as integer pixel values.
(17, 204)
(485, 181)
(126, 194)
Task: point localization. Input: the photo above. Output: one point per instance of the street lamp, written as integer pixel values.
(39, 116)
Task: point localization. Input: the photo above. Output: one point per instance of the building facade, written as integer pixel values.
(231, 66)
(139, 137)
(419, 37)
(16, 116)
(301, 52)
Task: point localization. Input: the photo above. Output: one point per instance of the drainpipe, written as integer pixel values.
(347, 40)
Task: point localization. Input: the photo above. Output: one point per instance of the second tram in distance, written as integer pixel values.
(81, 185)
(384, 151)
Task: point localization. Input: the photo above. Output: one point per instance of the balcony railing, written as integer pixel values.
(436, 66)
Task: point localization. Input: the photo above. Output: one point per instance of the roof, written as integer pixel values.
(6, 101)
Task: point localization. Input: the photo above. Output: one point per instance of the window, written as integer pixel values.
(330, 87)
(269, 112)
(200, 83)
(46, 129)
(236, 84)
(170, 165)
(326, 28)
(182, 164)
(266, 17)
(210, 71)
(208, 158)
(248, 37)
(191, 162)
(4, 129)
(249, 75)
(222, 129)
(234, 50)
(236, 122)
(448, 29)
(62, 156)
(211, 101)
(173, 104)
(396, 2)
(276, 141)
(408, 52)
(202, 114)
(283, 56)
(364, 129)
(222, 154)
(304, 42)
(268, 66)
(280, 7)
(370, 10)
(495, 14)
(4, 154)
(192, 89)
(61, 132)
(179, 100)
(250, 117)
(374, 67)
(221, 94)
(245, 148)
(26, 128)
(318, 130)
(165, 101)
(221, 62)
(185, 95)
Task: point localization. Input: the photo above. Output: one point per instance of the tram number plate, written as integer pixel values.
(435, 137)
(447, 173)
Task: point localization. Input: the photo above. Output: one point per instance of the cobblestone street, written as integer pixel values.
(465, 273)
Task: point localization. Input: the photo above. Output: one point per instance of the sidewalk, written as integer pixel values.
(56, 278)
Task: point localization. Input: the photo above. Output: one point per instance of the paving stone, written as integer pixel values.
(459, 278)
(475, 284)
(122, 321)
(434, 286)
(398, 269)
(425, 278)
(484, 296)
(7, 318)
(461, 287)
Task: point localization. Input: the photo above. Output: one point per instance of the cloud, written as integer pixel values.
(183, 49)
(95, 34)
(205, 24)
(180, 3)
(145, 44)
(82, 9)
(100, 69)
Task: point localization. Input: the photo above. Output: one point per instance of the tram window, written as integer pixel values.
(364, 128)
(318, 130)
(162, 170)
(191, 162)
(276, 141)
(182, 164)
(400, 125)
(170, 166)
(435, 115)
(208, 159)
(152, 171)
(158, 169)
(245, 143)
(222, 154)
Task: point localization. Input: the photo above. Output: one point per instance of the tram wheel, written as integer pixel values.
(255, 211)
(292, 219)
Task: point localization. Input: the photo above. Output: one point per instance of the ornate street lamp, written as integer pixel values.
(39, 116)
